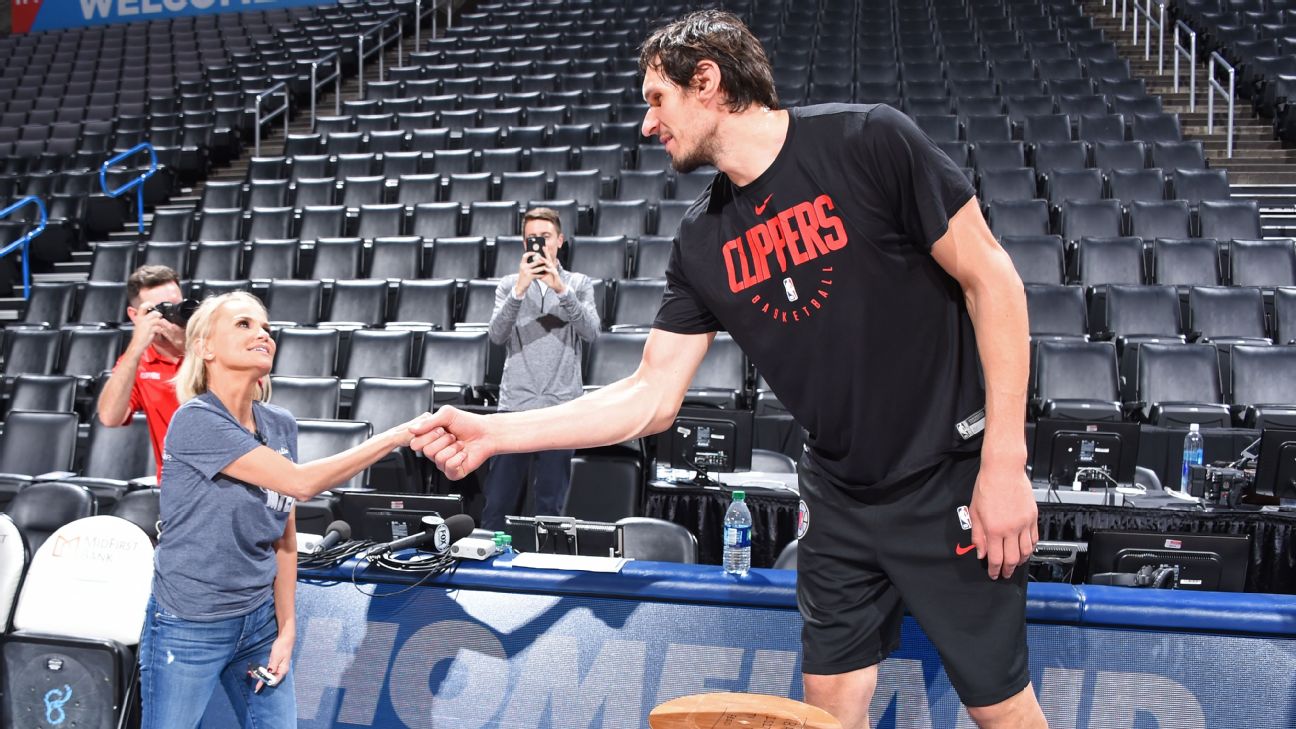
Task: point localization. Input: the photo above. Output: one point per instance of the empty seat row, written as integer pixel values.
(1046, 156)
(1147, 127)
(1127, 312)
(1166, 261)
(584, 186)
(490, 219)
(1173, 385)
(608, 160)
(1107, 218)
(1091, 183)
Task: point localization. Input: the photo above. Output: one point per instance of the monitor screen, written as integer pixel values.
(1276, 467)
(383, 517)
(709, 440)
(1205, 561)
(1064, 446)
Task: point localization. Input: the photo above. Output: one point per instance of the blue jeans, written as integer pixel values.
(547, 472)
(182, 661)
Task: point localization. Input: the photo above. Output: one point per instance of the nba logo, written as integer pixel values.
(790, 289)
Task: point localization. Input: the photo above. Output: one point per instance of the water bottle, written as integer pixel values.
(1192, 455)
(737, 536)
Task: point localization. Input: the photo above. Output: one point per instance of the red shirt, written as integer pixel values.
(154, 393)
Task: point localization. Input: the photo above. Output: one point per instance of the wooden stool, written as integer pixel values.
(738, 711)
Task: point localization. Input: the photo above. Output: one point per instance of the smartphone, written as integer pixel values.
(536, 244)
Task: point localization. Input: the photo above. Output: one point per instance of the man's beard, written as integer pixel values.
(702, 155)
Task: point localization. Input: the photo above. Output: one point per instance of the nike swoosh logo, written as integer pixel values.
(961, 550)
(760, 209)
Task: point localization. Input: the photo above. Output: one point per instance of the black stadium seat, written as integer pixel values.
(1186, 262)
(1262, 263)
(1076, 380)
(1057, 311)
(1038, 259)
(1018, 217)
(1179, 384)
(1263, 391)
(42, 508)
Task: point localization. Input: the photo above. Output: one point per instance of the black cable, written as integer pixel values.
(335, 555)
(429, 565)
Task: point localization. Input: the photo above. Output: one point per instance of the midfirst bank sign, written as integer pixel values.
(34, 15)
(477, 659)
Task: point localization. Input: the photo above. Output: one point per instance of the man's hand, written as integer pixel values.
(456, 441)
(147, 326)
(530, 269)
(548, 273)
(1005, 520)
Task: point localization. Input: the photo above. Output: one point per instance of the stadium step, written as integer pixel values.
(1260, 167)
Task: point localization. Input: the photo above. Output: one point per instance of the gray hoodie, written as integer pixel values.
(542, 334)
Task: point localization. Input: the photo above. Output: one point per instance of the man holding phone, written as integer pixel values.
(543, 315)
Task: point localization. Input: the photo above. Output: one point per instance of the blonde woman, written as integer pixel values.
(224, 586)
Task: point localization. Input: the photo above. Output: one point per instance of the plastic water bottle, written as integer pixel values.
(737, 536)
(1192, 455)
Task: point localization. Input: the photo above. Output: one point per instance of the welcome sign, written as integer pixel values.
(36, 15)
(545, 651)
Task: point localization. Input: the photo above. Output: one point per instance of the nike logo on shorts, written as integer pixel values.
(961, 550)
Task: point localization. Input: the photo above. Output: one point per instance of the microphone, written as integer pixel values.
(441, 533)
(338, 531)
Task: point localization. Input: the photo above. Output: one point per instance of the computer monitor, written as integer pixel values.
(1064, 446)
(707, 440)
(1205, 561)
(383, 517)
(1276, 466)
(563, 535)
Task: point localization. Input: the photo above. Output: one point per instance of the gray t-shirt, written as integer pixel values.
(216, 557)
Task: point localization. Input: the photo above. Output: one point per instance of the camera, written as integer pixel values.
(536, 244)
(1217, 485)
(177, 312)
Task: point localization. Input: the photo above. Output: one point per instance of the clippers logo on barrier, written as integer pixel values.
(779, 248)
(803, 519)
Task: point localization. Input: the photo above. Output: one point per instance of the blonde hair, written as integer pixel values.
(191, 380)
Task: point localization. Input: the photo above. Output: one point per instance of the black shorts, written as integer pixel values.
(865, 558)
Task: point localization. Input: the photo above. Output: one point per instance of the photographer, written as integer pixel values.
(142, 377)
(222, 609)
(542, 315)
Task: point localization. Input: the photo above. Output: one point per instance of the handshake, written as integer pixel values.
(456, 441)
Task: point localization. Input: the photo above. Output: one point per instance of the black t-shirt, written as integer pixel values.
(821, 269)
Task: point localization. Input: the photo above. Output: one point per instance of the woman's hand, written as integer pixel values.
(402, 434)
(280, 658)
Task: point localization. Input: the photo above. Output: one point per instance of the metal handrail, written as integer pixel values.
(1159, 22)
(383, 41)
(134, 183)
(1215, 85)
(317, 83)
(279, 88)
(419, 16)
(1191, 54)
(24, 242)
(1124, 12)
